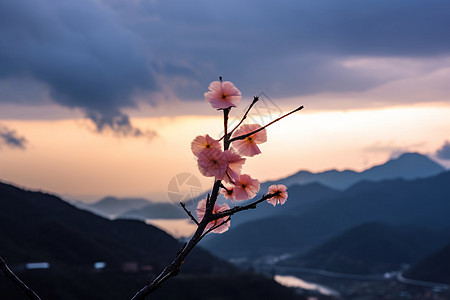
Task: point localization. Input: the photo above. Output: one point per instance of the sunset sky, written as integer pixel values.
(104, 97)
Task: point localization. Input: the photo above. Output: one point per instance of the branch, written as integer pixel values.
(255, 99)
(232, 211)
(241, 137)
(189, 213)
(226, 141)
(10, 274)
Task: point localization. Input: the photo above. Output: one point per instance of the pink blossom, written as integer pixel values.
(245, 187)
(280, 194)
(213, 163)
(201, 209)
(228, 192)
(223, 95)
(234, 167)
(204, 142)
(248, 146)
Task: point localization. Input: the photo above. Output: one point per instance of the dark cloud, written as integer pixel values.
(11, 139)
(78, 50)
(119, 124)
(444, 152)
(383, 27)
(98, 55)
(292, 47)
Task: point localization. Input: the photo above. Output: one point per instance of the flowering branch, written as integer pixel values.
(13, 277)
(224, 165)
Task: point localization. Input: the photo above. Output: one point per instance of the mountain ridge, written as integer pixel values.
(407, 166)
(372, 248)
(421, 202)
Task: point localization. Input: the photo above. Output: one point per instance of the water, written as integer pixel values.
(292, 281)
(177, 228)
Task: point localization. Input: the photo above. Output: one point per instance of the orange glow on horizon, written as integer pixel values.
(64, 157)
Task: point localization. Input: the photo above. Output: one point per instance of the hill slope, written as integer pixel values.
(371, 248)
(435, 267)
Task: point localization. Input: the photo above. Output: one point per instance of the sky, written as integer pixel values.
(104, 97)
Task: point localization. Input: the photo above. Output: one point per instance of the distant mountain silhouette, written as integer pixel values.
(435, 267)
(407, 166)
(301, 198)
(371, 248)
(39, 227)
(112, 206)
(156, 211)
(422, 203)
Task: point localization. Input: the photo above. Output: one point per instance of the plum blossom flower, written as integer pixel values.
(204, 142)
(201, 209)
(213, 163)
(228, 192)
(245, 187)
(234, 167)
(223, 95)
(248, 146)
(280, 194)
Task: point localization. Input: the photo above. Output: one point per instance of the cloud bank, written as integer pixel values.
(106, 57)
(77, 49)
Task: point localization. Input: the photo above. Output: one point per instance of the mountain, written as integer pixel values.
(423, 203)
(156, 211)
(301, 198)
(39, 227)
(434, 267)
(371, 248)
(407, 166)
(112, 206)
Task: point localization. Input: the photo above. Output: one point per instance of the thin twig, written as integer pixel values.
(189, 213)
(216, 226)
(232, 211)
(255, 99)
(222, 186)
(13, 277)
(241, 137)
(229, 178)
(226, 142)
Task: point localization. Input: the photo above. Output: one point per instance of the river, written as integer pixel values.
(292, 281)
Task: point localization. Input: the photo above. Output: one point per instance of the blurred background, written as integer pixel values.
(99, 101)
